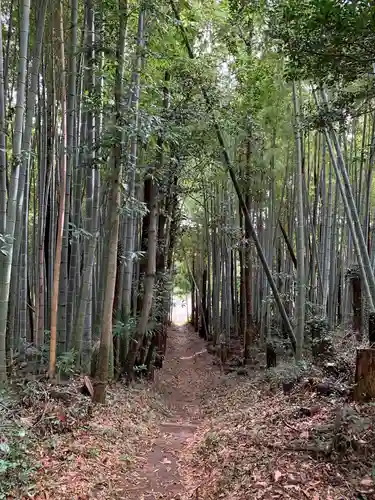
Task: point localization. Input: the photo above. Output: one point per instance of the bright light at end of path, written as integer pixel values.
(181, 310)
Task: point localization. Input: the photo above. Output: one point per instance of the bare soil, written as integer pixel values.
(183, 384)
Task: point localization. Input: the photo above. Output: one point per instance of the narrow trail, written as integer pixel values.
(132, 447)
(197, 434)
(186, 379)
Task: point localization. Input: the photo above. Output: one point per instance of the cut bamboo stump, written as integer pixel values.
(364, 389)
(371, 328)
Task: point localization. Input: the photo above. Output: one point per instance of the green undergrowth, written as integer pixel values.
(286, 372)
(16, 442)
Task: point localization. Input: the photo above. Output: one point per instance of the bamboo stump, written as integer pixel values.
(371, 328)
(223, 352)
(271, 357)
(364, 389)
(357, 304)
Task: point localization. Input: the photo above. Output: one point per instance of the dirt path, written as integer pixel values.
(196, 430)
(185, 380)
(129, 449)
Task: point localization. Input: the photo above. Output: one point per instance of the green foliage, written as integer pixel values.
(16, 465)
(79, 232)
(45, 348)
(287, 372)
(5, 241)
(140, 369)
(124, 329)
(133, 206)
(353, 273)
(182, 280)
(328, 41)
(66, 363)
(317, 326)
(134, 256)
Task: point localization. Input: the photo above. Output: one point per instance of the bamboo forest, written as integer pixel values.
(187, 249)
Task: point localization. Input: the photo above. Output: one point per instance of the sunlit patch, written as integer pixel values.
(181, 310)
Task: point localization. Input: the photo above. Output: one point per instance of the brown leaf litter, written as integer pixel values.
(92, 460)
(197, 434)
(130, 448)
(260, 445)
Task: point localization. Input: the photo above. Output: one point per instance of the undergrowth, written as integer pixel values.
(16, 443)
(286, 372)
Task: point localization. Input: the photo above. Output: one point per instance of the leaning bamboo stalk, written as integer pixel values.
(237, 188)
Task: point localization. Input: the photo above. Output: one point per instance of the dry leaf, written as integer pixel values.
(277, 475)
(261, 484)
(367, 482)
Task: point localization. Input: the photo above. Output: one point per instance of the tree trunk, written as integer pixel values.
(357, 303)
(114, 203)
(237, 188)
(300, 301)
(60, 225)
(148, 284)
(203, 325)
(364, 389)
(6, 260)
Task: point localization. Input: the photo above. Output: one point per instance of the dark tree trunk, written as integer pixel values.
(242, 319)
(357, 303)
(364, 389)
(248, 275)
(150, 356)
(371, 328)
(148, 195)
(142, 351)
(197, 312)
(158, 341)
(193, 306)
(270, 356)
(233, 288)
(247, 253)
(117, 284)
(195, 300)
(339, 313)
(203, 327)
(30, 336)
(115, 314)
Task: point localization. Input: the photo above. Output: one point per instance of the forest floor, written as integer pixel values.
(197, 433)
(132, 448)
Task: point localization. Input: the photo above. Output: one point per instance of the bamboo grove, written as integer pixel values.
(226, 148)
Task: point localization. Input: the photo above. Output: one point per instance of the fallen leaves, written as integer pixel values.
(277, 475)
(246, 442)
(126, 450)
(97, 459)
(367, 482)
(366, 486)
(267, 445)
